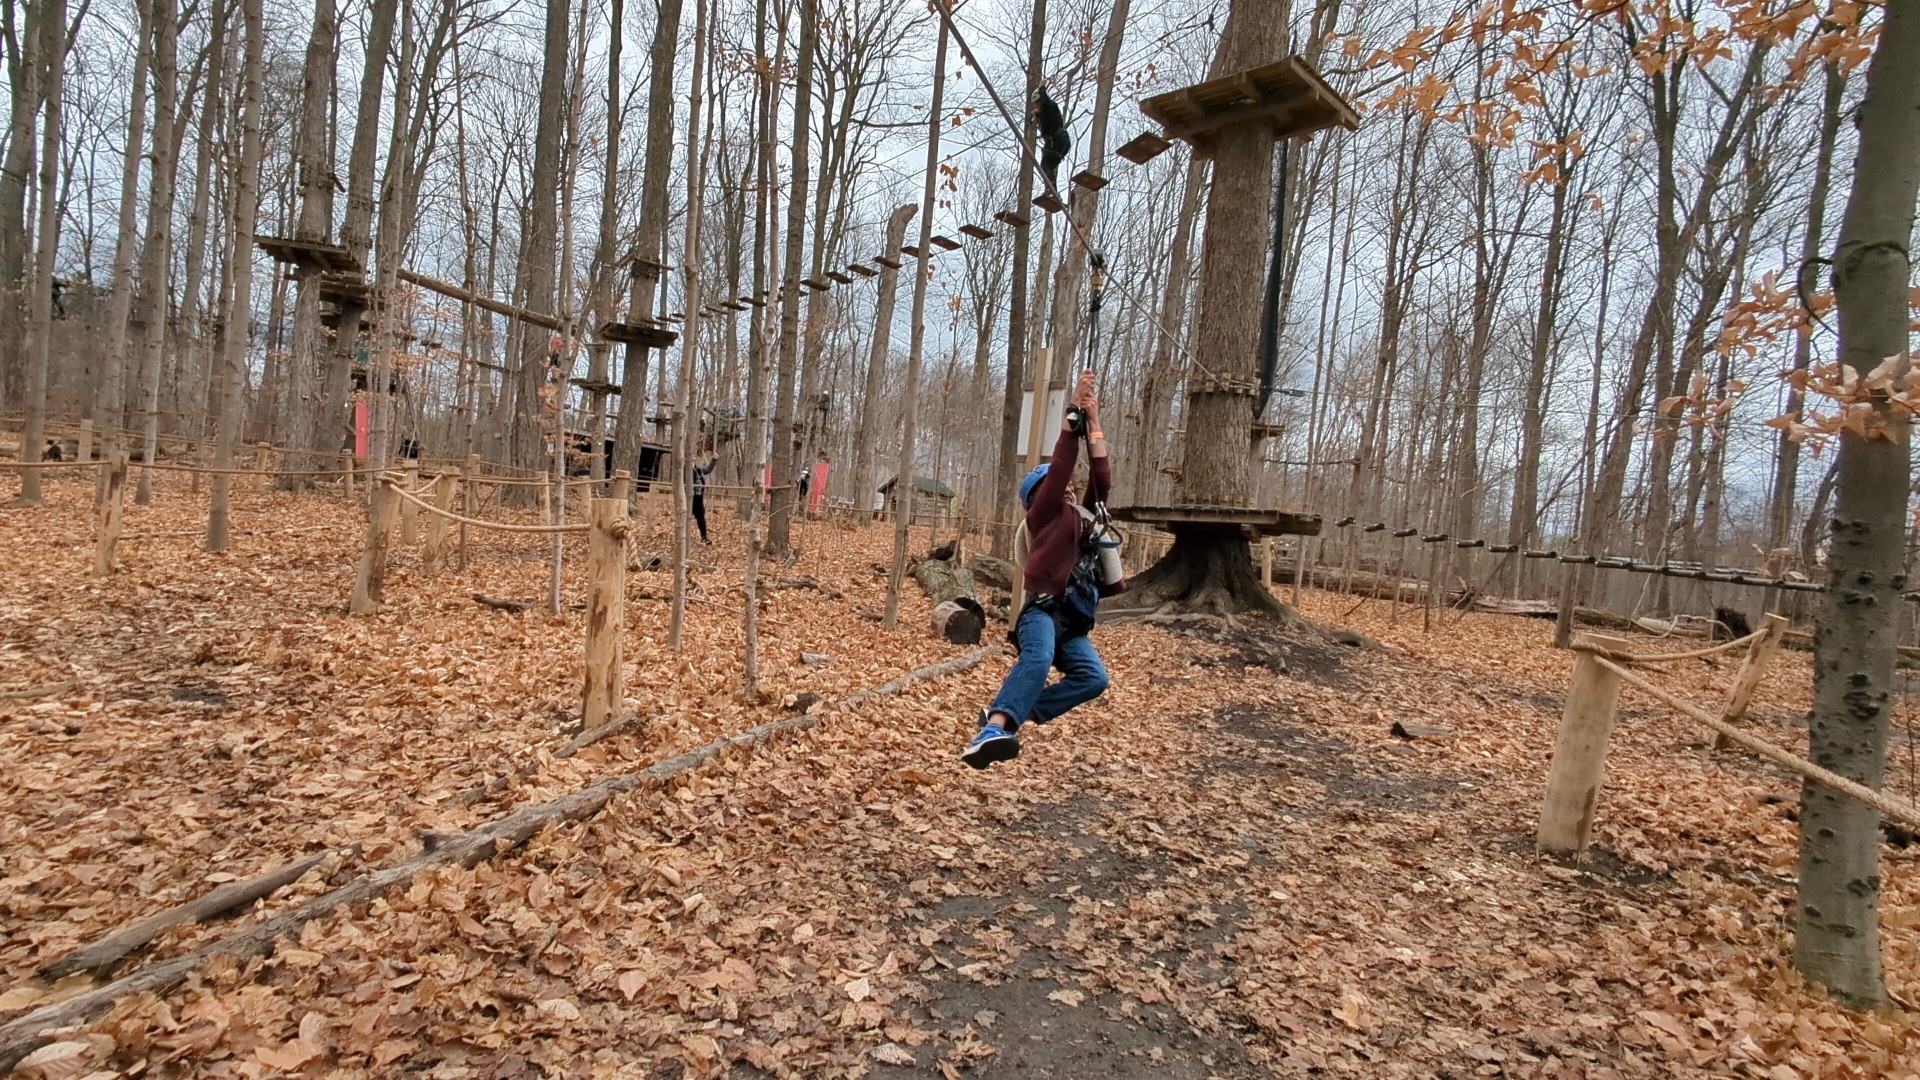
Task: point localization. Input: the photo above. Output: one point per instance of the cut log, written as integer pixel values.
(1411, 732)
(957, 614)
(103, 953)
(503, 604)
(992, 572)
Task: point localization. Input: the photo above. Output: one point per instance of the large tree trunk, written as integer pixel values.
(154, 258)
(1213, 569)
(1837, 936)
(52, 55)
(232, 370)
(605, 259)
(864, 481)
(1163, 374)
(629, 428)
(781, 509)
(540, 247)
(25, 92)
(683, 421)
(306, 396)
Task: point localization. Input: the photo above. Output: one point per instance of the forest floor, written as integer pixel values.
(1226, 867)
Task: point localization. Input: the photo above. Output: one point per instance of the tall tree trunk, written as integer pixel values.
(306, 393)
(1837, 935)
(784, 503)
(605, 259)
(690, 343)
(649, 242)
(110, 414)
(758, 356)
(1526, 477)
(864, 482)
(1786, 476)
(539, 248)
(154, 258)
(52, 56)
(246, 206)
(15, 177)
(916, 350)
(1007, 505)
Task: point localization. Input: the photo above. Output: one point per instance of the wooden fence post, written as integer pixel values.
(606, 610)
(263, 465)
(1747, 680)
(409, 513)
(1266, 561)
(346, 472)
(623, 486)
(86, 441)
(113, 486)
(469, 499)
(367, 587)
(1580, 753)
(443, 488)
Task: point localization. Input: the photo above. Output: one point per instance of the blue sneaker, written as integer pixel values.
(993, 743)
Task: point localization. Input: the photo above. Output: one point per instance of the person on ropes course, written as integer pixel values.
(1065, 578)
(1051, 126)
(700, 474)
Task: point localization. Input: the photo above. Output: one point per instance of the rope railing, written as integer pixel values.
(478, 523)
(1629, 659)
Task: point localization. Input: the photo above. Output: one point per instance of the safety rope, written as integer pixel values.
(497, 526)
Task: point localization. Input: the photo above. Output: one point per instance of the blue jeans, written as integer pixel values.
(1025, 695)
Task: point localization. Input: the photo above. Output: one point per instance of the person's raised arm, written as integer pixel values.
(1099, 469)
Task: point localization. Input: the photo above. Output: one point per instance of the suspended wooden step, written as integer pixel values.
(644, 335)
(1288, 96)
(945, 243)
(1049, 202)
(754, 301)
(1012, 217)
(977, 232)
(863, 270)
(840, 277)
(594, 386)
(887, 261)
(1262, 431)
(814, 284)
(1144, 147)
(309, 255)
(911, 250)
(1089, 179)
(734, 305)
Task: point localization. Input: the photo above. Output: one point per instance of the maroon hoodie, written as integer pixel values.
(1054, 528)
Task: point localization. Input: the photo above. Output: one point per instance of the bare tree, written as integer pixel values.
(246, 206)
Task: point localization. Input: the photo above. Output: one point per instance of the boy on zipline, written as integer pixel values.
(1064, 583)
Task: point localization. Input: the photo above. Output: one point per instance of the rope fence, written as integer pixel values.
(390, 484)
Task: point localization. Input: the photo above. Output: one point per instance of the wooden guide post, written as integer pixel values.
(1399, 574)
(409, 513)
(443, 489)
(622, 486)
(546, 501)
(470, 497)
(1266, 562)
(113, 485)
(346, 472)
(263, 466)
(1580, 752)
(86, 441)
(606, 610)
(368, 585)
(1747, 680)
(1299, 567)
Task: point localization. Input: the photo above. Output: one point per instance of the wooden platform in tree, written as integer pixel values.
(596, 387)
(887, 261)
(1264, 522)
(641, 334)
(1144, 147)
(978, 232)
(344, 289)
(1287, 95)
(840, 276)
(309, 255)
(910, 250)
(863, 269)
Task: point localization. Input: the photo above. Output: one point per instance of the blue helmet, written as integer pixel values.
(1032, 483)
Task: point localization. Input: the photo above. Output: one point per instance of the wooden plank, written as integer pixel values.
(840, 277)
(1090, 180)
(813, 284)
(485, 303)
(911, 250)
(1144, 147)
(977, 232)
(651, 337)
(1012, 217)
(1265, 522)
(887, 261)
(1052, 204)
(944, 243)
(863, 269)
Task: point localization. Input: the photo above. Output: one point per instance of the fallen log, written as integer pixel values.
(33, 692)
(994, 573)
(957, 614)
(1412, 732)
(103, 953)
(22, 1036)
(503, 604)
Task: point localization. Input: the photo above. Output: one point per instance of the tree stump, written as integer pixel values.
(368, 586)
(113, 487)
(606, 610)
(443, 489)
